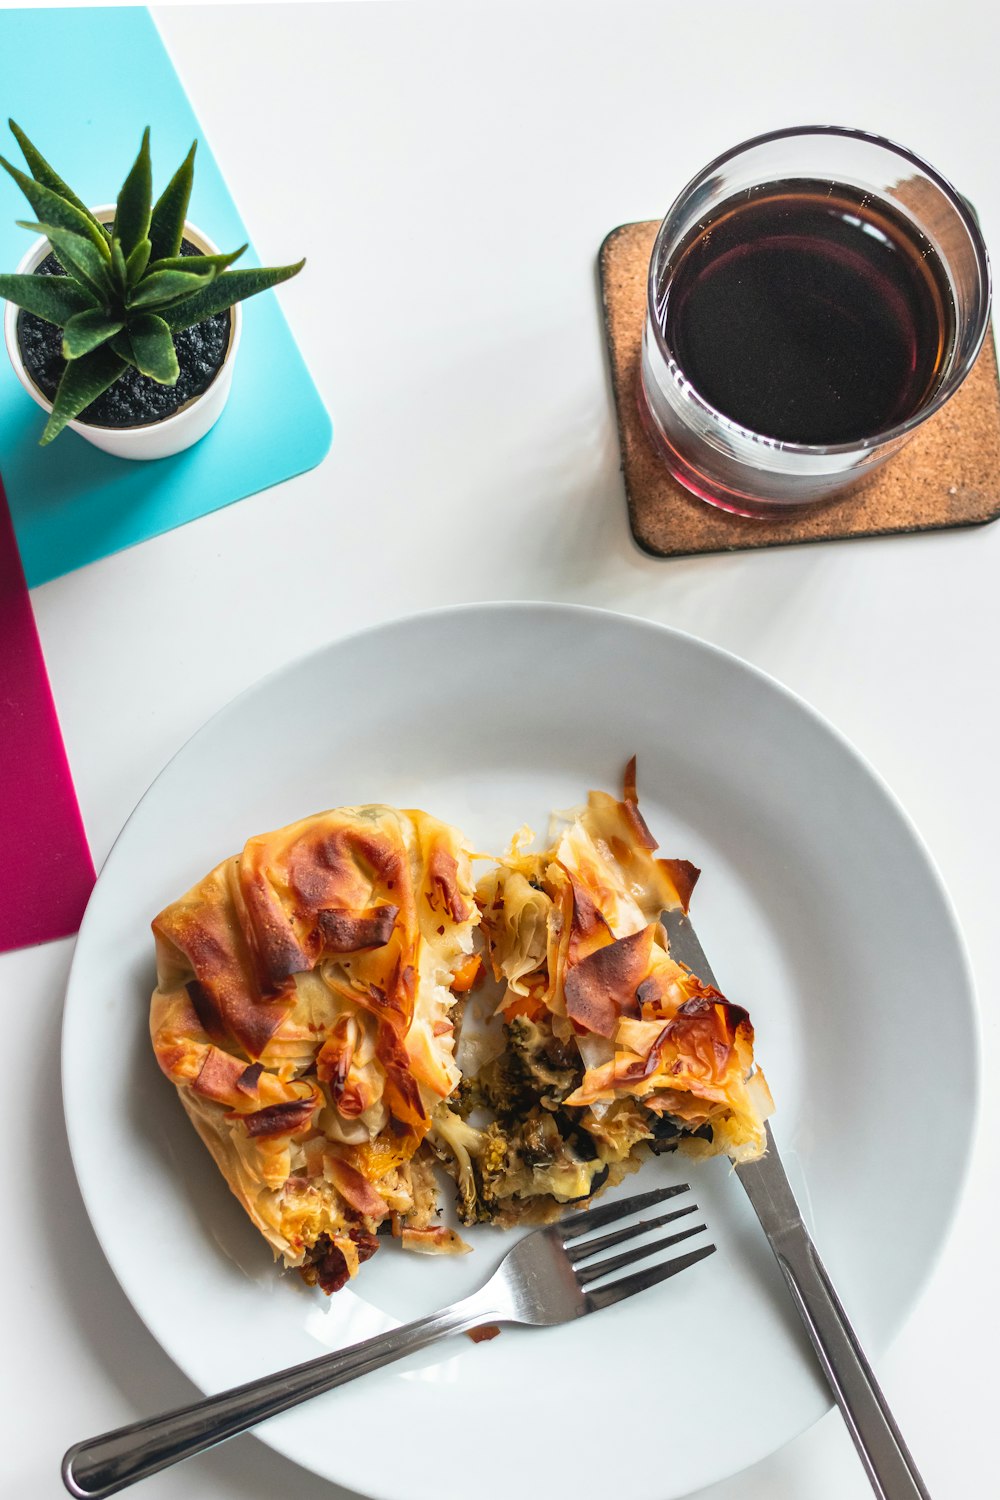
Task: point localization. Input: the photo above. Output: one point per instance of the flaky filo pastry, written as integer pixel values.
(611, 1048)
(303, 1010)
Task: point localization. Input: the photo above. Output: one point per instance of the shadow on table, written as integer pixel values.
(556, 427)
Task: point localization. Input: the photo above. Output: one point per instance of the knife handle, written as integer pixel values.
(880, 1444)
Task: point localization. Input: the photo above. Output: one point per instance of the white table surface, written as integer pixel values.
(451, 172)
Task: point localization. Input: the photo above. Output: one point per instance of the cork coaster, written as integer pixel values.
(947, 475)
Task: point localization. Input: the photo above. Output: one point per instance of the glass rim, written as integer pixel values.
(948, 386)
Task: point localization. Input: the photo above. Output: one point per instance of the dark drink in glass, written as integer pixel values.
(801, 326)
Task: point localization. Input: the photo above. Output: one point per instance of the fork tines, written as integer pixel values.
(580, 1250)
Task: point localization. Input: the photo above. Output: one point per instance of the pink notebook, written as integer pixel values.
(46, 872)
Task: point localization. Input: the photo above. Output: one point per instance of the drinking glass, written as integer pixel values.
(748, 472)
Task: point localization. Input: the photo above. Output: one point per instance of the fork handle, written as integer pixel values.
(886, 1458)
(104, 1465)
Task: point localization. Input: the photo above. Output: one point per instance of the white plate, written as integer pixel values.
(822, 913)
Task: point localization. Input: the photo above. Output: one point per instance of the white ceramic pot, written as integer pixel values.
(151, 439)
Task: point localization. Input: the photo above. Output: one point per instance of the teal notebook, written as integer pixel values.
(70, 503)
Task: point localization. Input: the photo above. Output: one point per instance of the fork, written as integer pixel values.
(887, 1460)
(553, 1275)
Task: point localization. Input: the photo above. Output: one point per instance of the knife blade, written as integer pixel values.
(887, 1460)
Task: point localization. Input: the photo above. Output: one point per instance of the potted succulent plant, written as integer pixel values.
(122, 321)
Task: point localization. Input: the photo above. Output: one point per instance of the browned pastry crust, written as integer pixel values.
(306, 1011)
(303, 1011)
(611, 1048)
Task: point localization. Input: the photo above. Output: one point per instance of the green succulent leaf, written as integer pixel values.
(60, 212)
(43, 173)
(79, 257)
(54, 298)
(132, 217)
(165, 287)
(122, 347)
(199, 264)
(82, 382)
(88, 330)
(118, 266)
(230, 287)
(153, 348)
(166, 227)
(137, 262)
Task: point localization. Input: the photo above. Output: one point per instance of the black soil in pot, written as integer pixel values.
(134, 400)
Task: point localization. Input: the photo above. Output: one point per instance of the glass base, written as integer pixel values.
(710, 489)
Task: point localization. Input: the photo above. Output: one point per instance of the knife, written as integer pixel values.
(886, 1458)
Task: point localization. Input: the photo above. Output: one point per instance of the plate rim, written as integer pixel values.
(960, 1180)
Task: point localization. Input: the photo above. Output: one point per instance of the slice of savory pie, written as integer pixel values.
(610, 1046)
(303, 1010)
